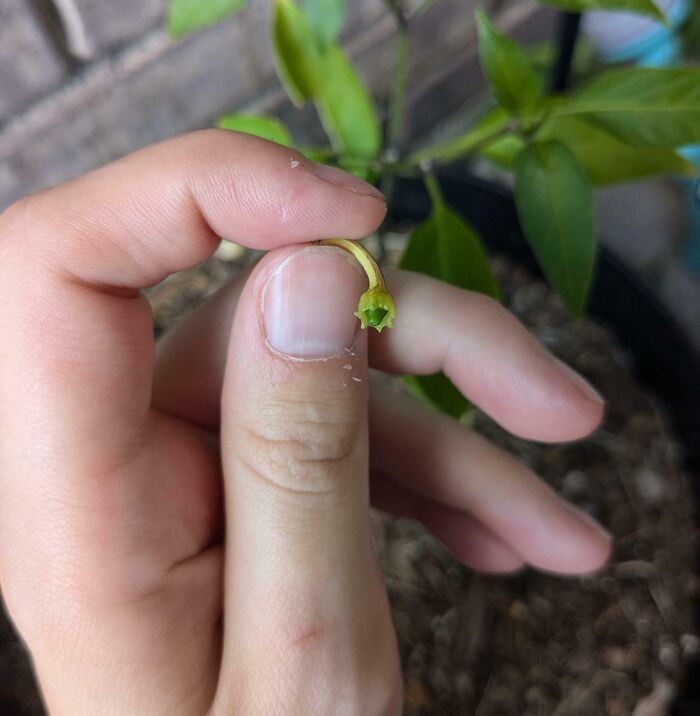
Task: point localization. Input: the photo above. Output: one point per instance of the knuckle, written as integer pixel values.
(15, 212)
(39, 605)
(25, 235)
(47, 604)
(486, 303)
(304, 445)
(14, 222)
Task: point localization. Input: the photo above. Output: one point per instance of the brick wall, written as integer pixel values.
(85, 81)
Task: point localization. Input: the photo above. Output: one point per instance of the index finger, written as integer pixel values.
(75, 335)
(164, 208)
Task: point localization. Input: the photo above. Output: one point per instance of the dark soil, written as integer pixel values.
(614, 643)
(531, 645)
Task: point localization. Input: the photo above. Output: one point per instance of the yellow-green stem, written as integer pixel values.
(364, 258)
(376, 305)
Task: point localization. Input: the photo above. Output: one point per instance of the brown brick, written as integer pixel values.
(94, 26)
(155, 89)
(29, 64)
(152, 90)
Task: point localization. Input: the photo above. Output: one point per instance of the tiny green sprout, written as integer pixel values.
(374, 316)
(376, 307)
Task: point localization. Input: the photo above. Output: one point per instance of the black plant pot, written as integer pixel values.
(665, 362)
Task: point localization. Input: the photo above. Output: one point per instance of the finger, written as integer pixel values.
(191, 358)
(443, 461)
(190, 388)
(487, 353)
(100, 496)
(76, 384)
(470, 542)
(489, 356)
(189, 379)
(127, 226)
(304, 597)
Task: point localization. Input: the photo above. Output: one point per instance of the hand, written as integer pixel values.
(118, 469)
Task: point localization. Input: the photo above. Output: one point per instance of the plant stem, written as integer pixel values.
(412, 165)
(462, 147)
(434, 191)
(436, 156)
(400, 168)
(363, 257)
(397, 103)
(376, 307)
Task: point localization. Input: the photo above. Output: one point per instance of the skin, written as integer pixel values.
(120, 464)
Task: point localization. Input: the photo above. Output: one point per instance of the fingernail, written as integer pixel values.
(309, 303)
(579, 382)
(341, 178)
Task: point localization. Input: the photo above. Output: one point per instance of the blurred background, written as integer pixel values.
(83, 82)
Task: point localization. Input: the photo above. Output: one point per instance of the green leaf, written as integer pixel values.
(513, 80)
(689, 31)
(504, 151)
(326, 18)
(345, 107)
(492, 123)
(295, 52)
(440, 392)
(189, 15)
(259, 126)
(645, 107)
(369, 174)
(641, 7)
(545, 53)
(445, 247)
(605, 159)
(555, 205)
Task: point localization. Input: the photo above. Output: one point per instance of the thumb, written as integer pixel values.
(307, 622)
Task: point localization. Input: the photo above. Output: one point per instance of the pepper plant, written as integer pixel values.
(626, 124)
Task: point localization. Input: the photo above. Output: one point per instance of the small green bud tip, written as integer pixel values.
(375, 316)
(376, 309)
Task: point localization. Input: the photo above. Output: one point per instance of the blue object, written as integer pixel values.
(661, 47)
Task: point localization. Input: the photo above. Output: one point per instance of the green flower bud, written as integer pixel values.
(376, 308)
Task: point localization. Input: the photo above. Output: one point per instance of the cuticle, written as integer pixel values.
(318, 359)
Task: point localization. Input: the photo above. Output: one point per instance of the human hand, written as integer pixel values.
(119, 467)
